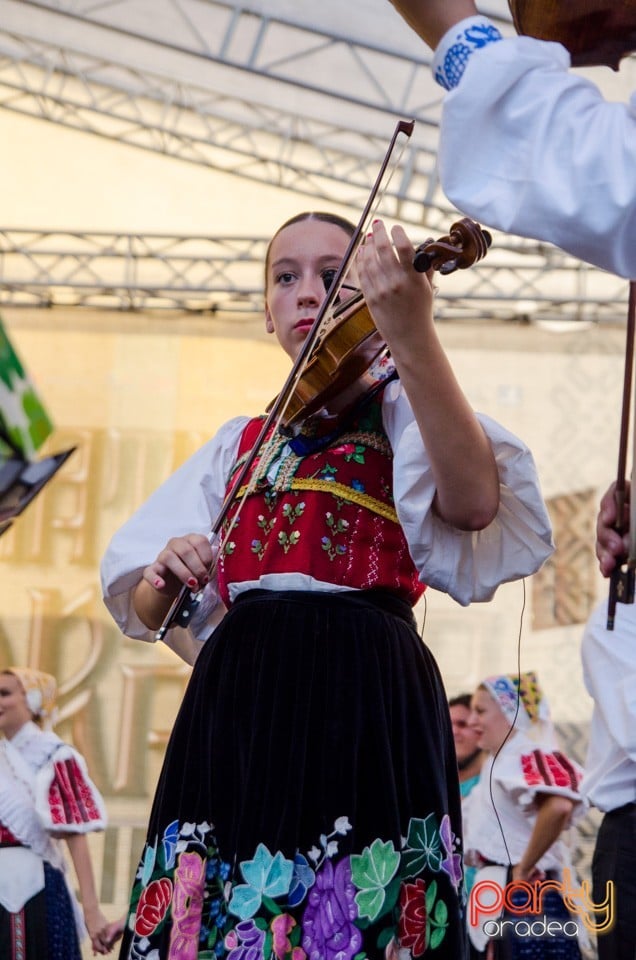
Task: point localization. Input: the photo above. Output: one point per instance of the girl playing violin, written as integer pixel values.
(308, 805)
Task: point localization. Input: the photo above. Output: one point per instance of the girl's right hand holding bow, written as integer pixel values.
(184, 561)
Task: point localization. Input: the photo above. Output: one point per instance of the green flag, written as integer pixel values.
(24, 423)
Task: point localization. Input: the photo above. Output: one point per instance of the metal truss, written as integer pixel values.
(271, 98)
(262, 97)
(518, 280)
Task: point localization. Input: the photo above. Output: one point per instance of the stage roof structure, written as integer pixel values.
(298, 96)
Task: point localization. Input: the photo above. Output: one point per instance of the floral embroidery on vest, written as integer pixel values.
(328, 514)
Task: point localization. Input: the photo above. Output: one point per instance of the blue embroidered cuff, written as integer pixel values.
(457, 46)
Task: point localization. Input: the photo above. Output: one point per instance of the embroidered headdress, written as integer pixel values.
(41, 691)
(521, 700)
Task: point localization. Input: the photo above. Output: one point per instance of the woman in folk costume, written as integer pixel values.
(308, 806)
(526, 796)
(45, 795)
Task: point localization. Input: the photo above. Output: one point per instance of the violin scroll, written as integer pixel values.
(465, 244)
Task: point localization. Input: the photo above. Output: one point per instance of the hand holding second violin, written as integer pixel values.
(184, 561)
(611, 546)
(432, 18)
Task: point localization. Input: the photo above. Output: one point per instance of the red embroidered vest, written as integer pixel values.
(328, 514)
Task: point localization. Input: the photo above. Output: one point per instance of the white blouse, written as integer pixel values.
(532, 149)
(469, 566)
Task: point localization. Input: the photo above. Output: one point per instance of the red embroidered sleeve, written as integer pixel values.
(549, 770)
(71, 797)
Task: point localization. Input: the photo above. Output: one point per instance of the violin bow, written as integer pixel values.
(182, 606)
(621, 589)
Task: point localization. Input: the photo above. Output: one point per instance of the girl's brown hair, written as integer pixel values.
(334, 218)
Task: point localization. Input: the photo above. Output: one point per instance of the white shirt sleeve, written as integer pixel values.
(609, 673)
(188, 502)
(532, 149)
(468, 565)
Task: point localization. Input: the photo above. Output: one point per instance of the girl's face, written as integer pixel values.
(14, 711)
(301, 258)
(488, 722)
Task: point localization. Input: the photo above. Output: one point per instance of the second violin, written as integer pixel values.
(596, 32)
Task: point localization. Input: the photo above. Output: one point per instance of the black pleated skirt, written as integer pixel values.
(308, 806)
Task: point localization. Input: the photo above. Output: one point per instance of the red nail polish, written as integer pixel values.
(192, 582)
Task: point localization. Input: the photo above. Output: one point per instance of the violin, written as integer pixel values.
(596, 32)
(335, 378)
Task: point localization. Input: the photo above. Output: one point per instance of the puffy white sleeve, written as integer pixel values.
(188, 502)
(468, 565)
(532, 149)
